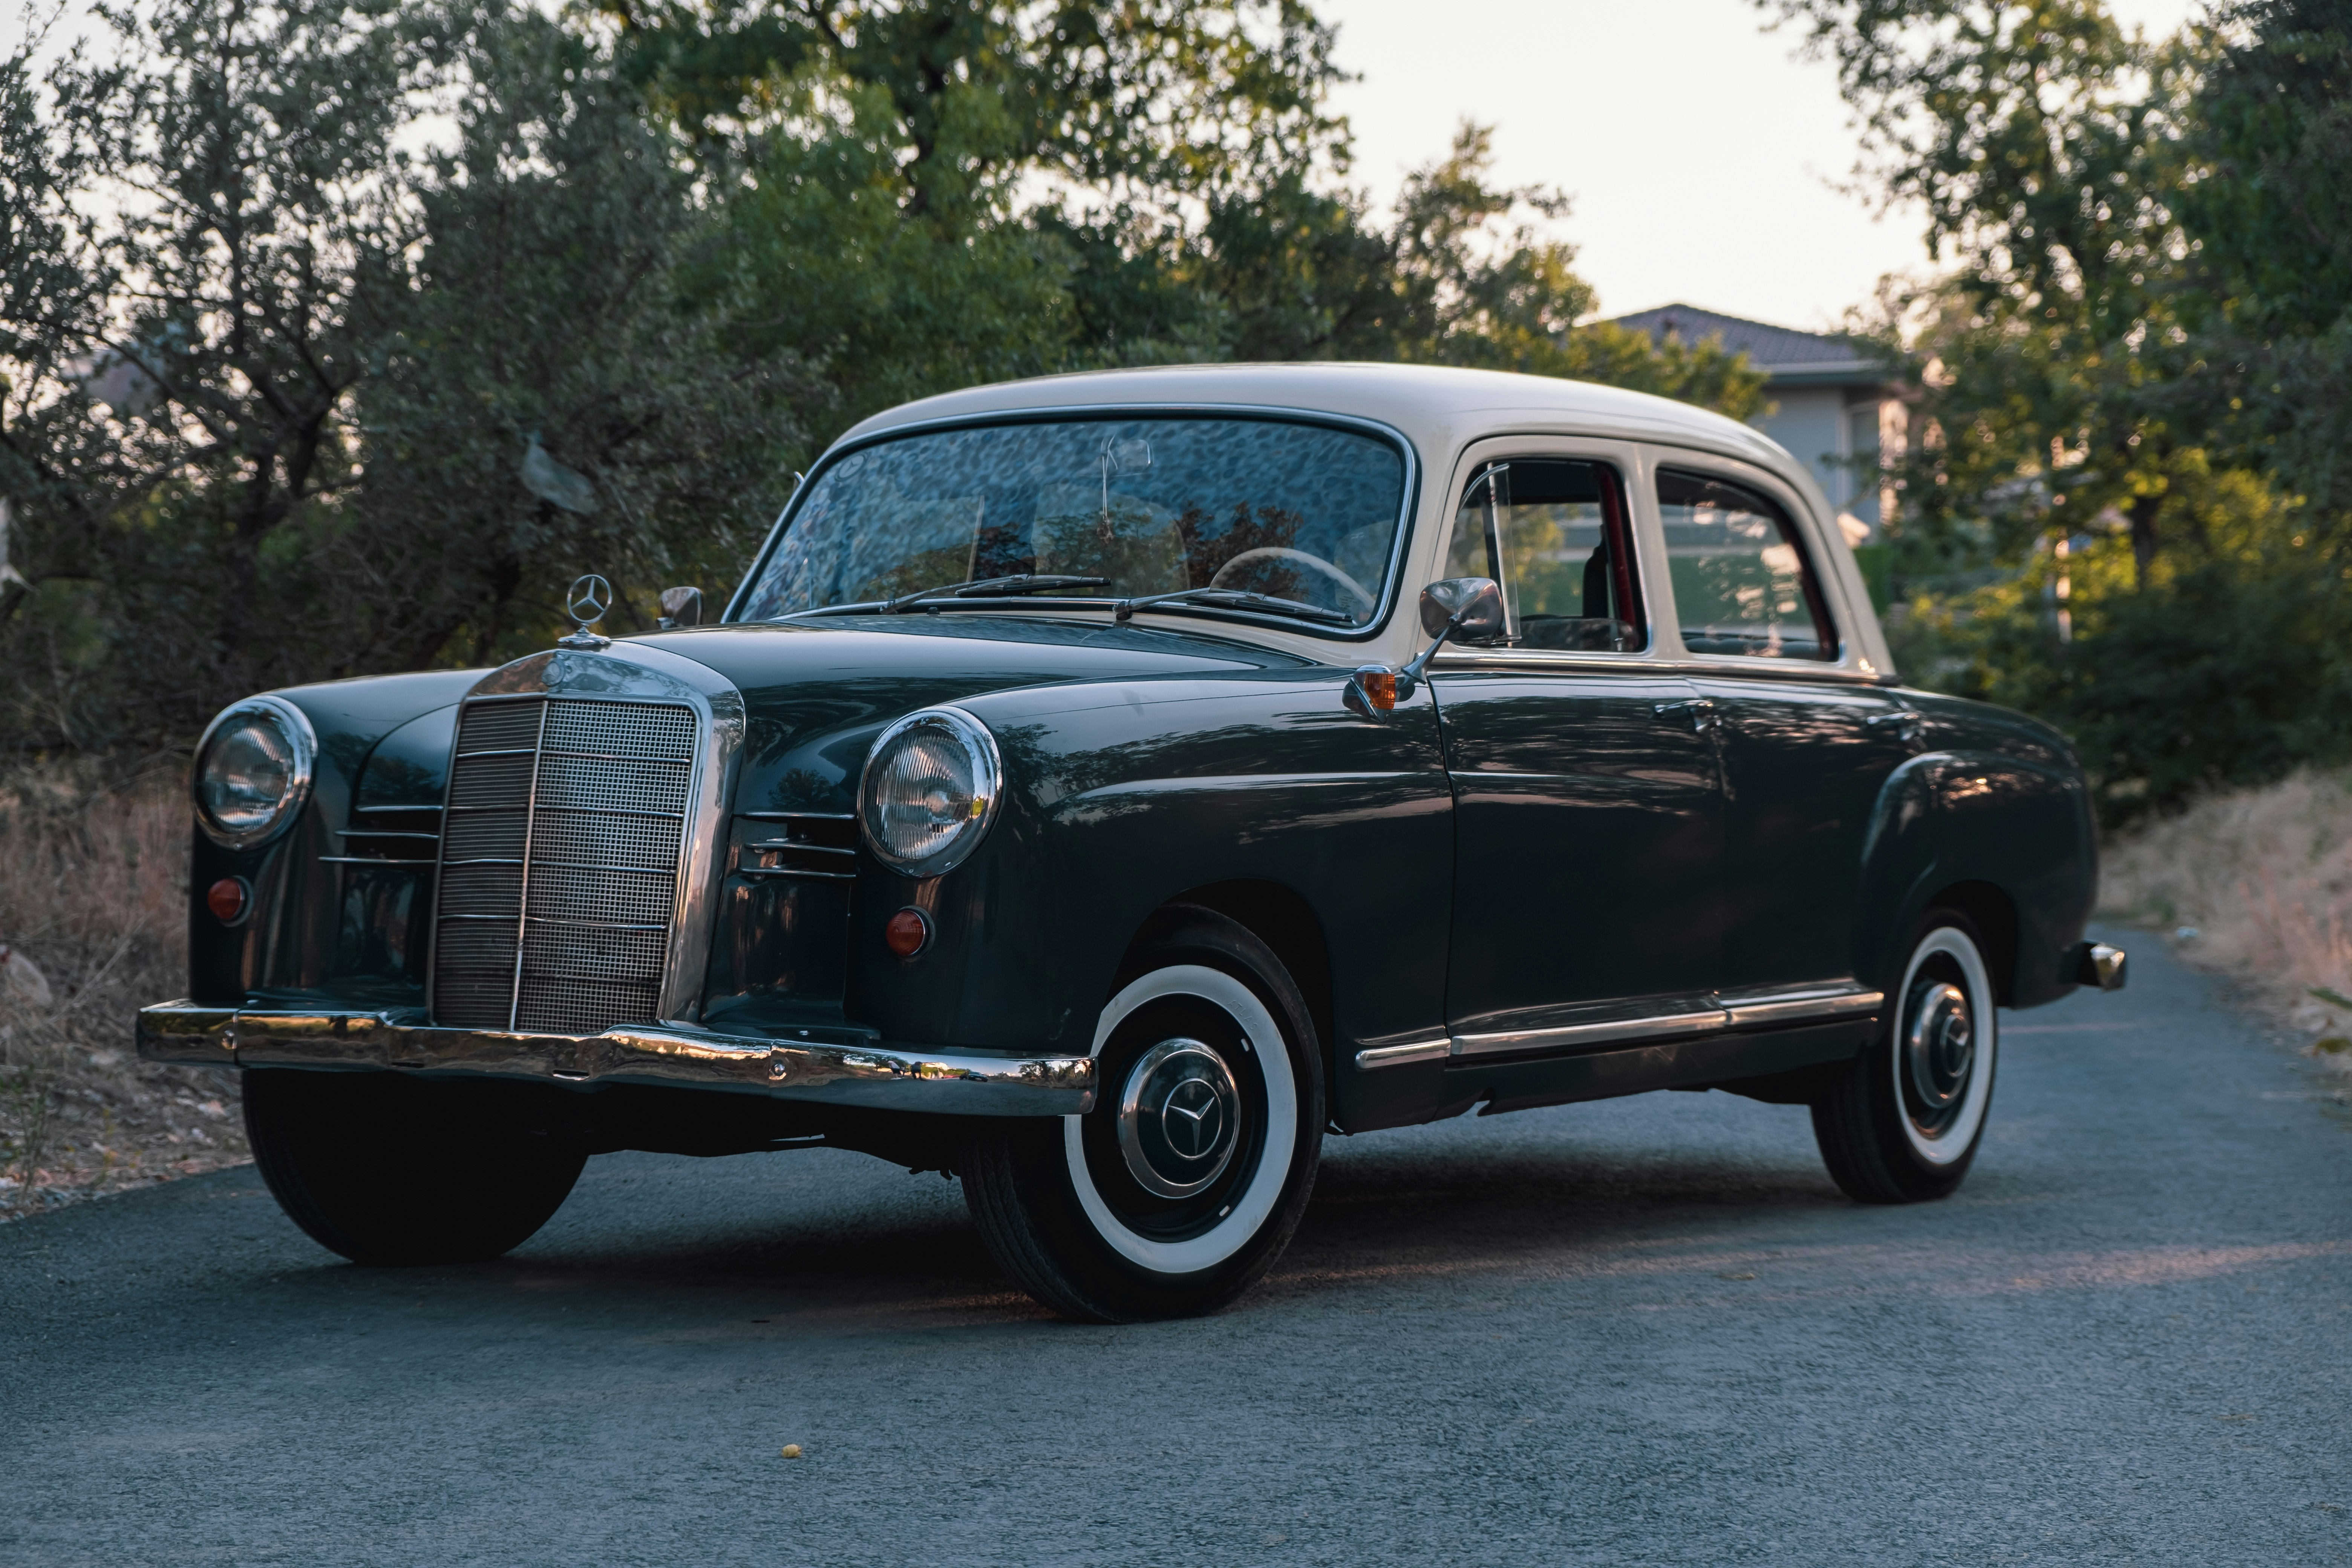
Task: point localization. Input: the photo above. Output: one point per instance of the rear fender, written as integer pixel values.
(1953, 824)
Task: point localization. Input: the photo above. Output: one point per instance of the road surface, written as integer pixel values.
(1648, 1332)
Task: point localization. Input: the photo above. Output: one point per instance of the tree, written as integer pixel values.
(927, 194)
(2269, 209)
(2040, 139)
(273, 382)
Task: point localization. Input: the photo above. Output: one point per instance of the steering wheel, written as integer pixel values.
(1284, 553)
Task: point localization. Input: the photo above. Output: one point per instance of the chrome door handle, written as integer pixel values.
(1700, 709)
(1905, 722)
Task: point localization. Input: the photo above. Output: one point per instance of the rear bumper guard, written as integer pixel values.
(2097, 963)
(832, 1066)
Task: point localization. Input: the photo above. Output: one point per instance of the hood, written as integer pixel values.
(815, 693)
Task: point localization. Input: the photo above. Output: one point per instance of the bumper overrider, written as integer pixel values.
(835, 1066)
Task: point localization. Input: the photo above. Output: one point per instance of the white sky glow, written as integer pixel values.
(1700, 153)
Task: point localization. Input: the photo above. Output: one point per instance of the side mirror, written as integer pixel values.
(1467, 607)
(680, 608)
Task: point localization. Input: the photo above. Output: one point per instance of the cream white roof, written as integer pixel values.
(1436, 406)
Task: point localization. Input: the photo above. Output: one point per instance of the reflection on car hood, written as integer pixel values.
(816, 691)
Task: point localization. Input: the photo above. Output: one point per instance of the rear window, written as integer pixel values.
(1741, 580)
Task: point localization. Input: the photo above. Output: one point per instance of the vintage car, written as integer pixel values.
(1103, 787)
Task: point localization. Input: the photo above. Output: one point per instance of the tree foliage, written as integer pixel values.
(339, 334)
(2131, 375)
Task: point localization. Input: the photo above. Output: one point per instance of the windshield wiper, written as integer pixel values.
(990, 588)
(984, 588)
(1233, 598)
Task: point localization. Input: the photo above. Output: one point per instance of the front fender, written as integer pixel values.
(287, 943)
(1122, 797)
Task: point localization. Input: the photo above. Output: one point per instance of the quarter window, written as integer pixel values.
(1742, 584)
(1553, 533)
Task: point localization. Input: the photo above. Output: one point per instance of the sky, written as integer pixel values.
(1700, 152)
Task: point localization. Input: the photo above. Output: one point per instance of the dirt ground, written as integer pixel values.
(93, 924)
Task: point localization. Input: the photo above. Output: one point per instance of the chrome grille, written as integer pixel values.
(562, 854)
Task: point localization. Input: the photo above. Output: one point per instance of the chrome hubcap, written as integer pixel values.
(1938, 1052)
(1179, 1117)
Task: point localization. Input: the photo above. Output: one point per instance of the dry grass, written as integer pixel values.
(2258, 883)
(93, 884)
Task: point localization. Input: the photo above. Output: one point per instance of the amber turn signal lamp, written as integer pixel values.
(1379, 686)
(227, 899)
(906, 932)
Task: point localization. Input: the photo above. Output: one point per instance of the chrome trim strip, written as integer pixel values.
(795, 871)
(383, 832)
(530, 822)
(1812, 1002)
(798, 816)
(848, 1069)
(1399, 1055)
(795, 844)
(1824, 1003)
(371, 860)
(1657, 1024)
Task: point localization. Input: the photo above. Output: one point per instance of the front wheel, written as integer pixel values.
(1902, 1124)
(390, 1169)
(1184, 1183)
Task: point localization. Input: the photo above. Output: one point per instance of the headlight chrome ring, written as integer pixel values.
(253, 772)
(929, 792)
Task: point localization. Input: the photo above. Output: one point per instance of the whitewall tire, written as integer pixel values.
(1184, 1183)
(1904, 1123)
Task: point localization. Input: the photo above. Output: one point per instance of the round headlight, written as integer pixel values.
(929, 791)
(253, 771)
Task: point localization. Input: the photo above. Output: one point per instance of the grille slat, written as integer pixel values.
(594, 816)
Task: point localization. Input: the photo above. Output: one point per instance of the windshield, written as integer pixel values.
(1295, 511)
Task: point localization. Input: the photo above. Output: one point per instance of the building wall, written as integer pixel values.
(1810, 422)
(1827, 428)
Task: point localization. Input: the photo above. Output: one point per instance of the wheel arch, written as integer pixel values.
(1994, 914)
(1278, 915)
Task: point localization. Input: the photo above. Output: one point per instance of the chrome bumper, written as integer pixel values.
(846, 1069)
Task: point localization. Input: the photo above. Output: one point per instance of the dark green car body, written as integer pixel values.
(1502, 892)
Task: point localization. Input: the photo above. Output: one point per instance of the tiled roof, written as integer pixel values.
(1769, 348)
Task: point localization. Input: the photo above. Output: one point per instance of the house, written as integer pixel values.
(1830, 403)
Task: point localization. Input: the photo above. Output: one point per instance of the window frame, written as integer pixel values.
(1400, 557)
(1828, 608)
(1626, 465)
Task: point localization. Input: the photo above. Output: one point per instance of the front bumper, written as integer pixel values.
(844, 1069)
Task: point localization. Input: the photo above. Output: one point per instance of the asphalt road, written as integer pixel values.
(1646, 1331)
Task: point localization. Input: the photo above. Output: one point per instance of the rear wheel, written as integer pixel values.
(392, 1170)
(1185, 1182)
(1902, 1123)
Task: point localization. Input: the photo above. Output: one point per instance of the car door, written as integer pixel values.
(1587, 806)
(1807, 739)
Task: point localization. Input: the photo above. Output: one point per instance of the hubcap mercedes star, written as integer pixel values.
(1939, 1051)
(1179, 1117)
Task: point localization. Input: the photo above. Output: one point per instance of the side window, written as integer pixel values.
(1742, 584)
(1553, 533)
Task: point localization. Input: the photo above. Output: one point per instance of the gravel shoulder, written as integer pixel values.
(1644, 1332)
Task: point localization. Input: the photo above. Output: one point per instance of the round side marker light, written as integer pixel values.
(906, 932)
(227, 899)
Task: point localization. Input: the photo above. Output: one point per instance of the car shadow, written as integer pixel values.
(860, 1245)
